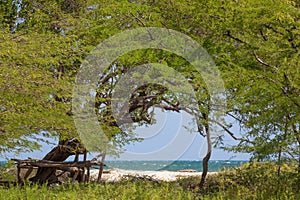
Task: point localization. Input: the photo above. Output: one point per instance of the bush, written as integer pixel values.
(255, 181)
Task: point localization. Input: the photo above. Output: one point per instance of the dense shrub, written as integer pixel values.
(256, 181)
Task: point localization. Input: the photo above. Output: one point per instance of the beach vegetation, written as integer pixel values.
(255, 45)
(250, 181)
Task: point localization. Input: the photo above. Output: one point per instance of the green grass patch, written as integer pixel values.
(251, 181)
(122, 190)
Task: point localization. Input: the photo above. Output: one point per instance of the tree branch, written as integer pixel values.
(264, 63)
(228, 33)
(263, 34)
(231, 133)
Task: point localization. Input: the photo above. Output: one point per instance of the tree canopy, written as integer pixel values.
(255, 45)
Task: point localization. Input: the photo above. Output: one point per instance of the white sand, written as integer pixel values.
(115, 174)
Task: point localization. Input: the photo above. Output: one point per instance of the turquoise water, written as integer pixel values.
(173, 166)
(214, 165)
(2, 163)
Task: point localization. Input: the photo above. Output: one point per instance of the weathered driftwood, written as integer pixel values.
(60, 153)
(53, 161)
(75, 168)
(59, 165)
(101, 168)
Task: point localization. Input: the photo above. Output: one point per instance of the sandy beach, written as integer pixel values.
(114, 175)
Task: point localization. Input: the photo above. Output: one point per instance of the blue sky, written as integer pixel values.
(169, 138)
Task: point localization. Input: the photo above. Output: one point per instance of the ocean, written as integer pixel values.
(214, 165)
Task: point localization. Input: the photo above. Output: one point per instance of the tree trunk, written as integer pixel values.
(205, 169)
(61, 152)
(206, 158)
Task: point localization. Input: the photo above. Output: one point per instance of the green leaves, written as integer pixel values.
(255, 44)
(261, 42)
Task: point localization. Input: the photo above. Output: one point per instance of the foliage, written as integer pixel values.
(33, 99)
(42, 55)
(256, 181)
(263, 78)
(255, 44)
(122, 190)
(251, 181)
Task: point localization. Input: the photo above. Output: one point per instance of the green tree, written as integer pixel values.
(255, 44)
(266, 60)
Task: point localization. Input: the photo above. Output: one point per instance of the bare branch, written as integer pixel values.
(231, 133)
(166, 107)
(228, 33)
(264, 63)
(263, 34)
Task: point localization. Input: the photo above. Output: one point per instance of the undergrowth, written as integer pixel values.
(251, 181)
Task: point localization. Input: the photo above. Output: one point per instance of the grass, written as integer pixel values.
(251, 181)
(123, 190)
